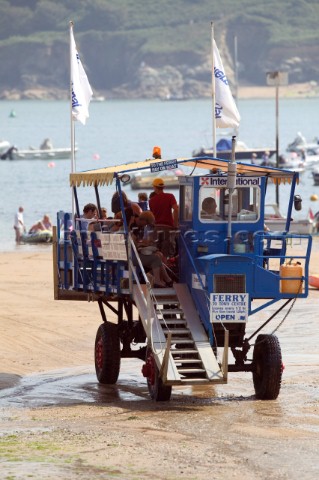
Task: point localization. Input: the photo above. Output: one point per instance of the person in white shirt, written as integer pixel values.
(89, 218)
(19, 226)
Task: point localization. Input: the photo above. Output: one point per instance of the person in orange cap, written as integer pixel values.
(165, 210)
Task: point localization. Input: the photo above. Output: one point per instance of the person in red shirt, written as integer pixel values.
(163, 205)
(165, 209)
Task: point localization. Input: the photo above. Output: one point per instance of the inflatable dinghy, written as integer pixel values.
(42, 236)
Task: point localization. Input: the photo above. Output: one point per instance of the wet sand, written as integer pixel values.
(58, 422)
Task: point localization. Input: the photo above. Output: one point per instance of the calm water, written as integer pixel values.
(125, 131)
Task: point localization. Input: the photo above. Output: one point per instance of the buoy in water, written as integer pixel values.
(51, 165)
(12, 114)
(96, 156)
(314, 197)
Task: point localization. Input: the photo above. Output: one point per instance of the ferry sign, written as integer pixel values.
(166, 165)
(229, 307)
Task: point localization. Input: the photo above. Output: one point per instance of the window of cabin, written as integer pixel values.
(214, 204)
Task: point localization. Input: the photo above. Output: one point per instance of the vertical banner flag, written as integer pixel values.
(226, 112)
(81, 89)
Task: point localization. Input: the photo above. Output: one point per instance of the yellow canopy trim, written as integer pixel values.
(104, 176)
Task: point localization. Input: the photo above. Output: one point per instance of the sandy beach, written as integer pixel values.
(57, 422)
(294, 90)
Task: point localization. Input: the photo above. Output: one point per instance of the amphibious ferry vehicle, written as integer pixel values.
(226, 268)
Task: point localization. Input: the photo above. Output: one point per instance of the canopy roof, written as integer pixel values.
(105, 176)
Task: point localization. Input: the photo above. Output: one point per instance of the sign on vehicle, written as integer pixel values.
(229, 307)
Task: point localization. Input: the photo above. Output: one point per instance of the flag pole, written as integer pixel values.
(213, 90)
(73, 167)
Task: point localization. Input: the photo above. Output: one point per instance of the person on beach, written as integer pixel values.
(46, 222)
(37, 227)
(19, 226)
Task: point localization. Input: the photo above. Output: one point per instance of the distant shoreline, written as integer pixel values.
(297, 90)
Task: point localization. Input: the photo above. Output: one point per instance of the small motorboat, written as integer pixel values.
(292, 162)
(300, 144)
(276, 222)
(4, 145)
(142, 181)
(41, 236)
(46, 151)
(312, 156)
(243, 152)
(38, 154)
(313, 281)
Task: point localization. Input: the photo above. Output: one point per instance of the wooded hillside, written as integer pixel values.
(154, 48)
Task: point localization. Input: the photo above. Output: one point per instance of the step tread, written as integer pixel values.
(173, 321)
(183, 340)
(176, 331)
(187, 360)
(180, 351)
(167, 300)
(164, 291)
(171, 311)
(190, 370)
(194, 380)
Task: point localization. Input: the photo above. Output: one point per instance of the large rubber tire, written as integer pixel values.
(157, 391)
(267, 367)
(107, 353)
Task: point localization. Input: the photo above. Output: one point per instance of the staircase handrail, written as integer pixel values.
(149, 300)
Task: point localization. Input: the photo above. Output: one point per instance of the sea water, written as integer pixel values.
(125, 131)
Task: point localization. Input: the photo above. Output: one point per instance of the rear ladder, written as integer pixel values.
(179, 341)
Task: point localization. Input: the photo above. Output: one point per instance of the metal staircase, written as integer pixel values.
(179, 341)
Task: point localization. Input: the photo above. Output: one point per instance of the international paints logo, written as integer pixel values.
(75, 102)
(218, 110)
(215, 181)
(220, 75)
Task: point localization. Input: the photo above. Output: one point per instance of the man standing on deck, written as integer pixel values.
(165, 210)
(19, 224)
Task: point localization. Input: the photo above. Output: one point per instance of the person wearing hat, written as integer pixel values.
(165, 210)
(163, 205)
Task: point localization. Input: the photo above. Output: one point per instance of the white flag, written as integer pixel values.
(81, 89)
(226, 112)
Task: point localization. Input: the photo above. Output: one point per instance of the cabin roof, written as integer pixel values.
(105, 176)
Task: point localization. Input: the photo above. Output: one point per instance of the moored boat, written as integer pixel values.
(4, 145)
(46, 151)
(38, 154)
(243, 152)
(140, 181)
(276, 222)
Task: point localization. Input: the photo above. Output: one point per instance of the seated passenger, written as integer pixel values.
(143, 201)
(209, 207)
(88, 219)
(148, 250)
(116, 204)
